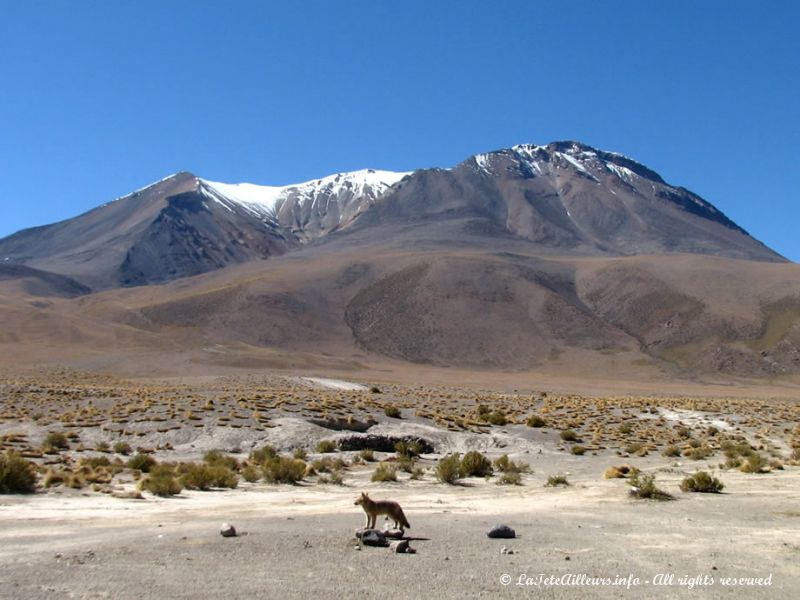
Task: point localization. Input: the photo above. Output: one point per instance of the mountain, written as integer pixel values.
(183, 226)
(568, 198)
(564, 197)
(559, 259)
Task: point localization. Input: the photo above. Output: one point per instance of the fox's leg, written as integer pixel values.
(367, 524)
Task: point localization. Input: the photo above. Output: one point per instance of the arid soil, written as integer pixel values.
(84, 535)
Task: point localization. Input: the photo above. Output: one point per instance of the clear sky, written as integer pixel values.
(100, 98)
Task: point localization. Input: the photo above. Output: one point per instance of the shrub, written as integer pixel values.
(536, 421)
(17, 475)
(55, 440)
(702, 482)
(510, 478)
(753, 463)
(569, 436)
(498, 417)
(334, 478)
(578, 450)
(281, 469)
(161, 481)
(392, 411)
(206, 476)
(367, 455)
(300, 453)
(216, 457)
(96, 461)
(506, 465)
(261, 455)
(448, 469)
(375, 389)
(555, 480)
(644, 486)
(417, 472)
(671, 451)
(385, 472)
(123, 448)
(250, 474)
(699, 453)
(412, 449)
(103, 446)
(142, 462)
(328, 464)
(475, 464)
(326, 446)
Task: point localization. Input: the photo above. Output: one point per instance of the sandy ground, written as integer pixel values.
(297, 541)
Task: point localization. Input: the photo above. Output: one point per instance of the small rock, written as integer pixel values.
(505, 550)
(227, 530)
(501, 531)
(399, 546)
(566, 558)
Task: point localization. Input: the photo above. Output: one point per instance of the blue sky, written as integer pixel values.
(99, 98)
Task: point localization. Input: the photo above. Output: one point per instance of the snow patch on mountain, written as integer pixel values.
(266, 200)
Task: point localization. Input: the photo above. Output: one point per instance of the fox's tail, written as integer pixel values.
(403, 521)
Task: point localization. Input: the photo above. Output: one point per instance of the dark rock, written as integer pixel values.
(227, 530)
(501, 531)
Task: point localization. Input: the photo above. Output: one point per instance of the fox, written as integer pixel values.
(382, 507)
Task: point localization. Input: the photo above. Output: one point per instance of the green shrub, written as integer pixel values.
(250, 474)
(96, 461)
(671, 451)
(556, 480)
(262, 454)
(475, 464)
(510, 478)
(334, 478)
(644, 486)
(281, 469)
(56, 440)
(123, 448)
(754, 463)
(536, 421)
(17, 475)
(506, 465)
(161, 481)
(498, 417)
(412, 448)
(385, 472)
(392, 411)
(141, 462)
(327, 464)
(195, 476)
(569, 436)
(367, 455)
(448, 469)
(102, 446)
(217, 457)
(326, 446)
(300, 453)
(699, 453)
(702, 482)
(578, 450)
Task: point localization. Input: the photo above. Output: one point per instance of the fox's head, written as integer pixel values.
(361, 499)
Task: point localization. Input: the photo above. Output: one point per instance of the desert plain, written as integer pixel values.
(563, 472)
